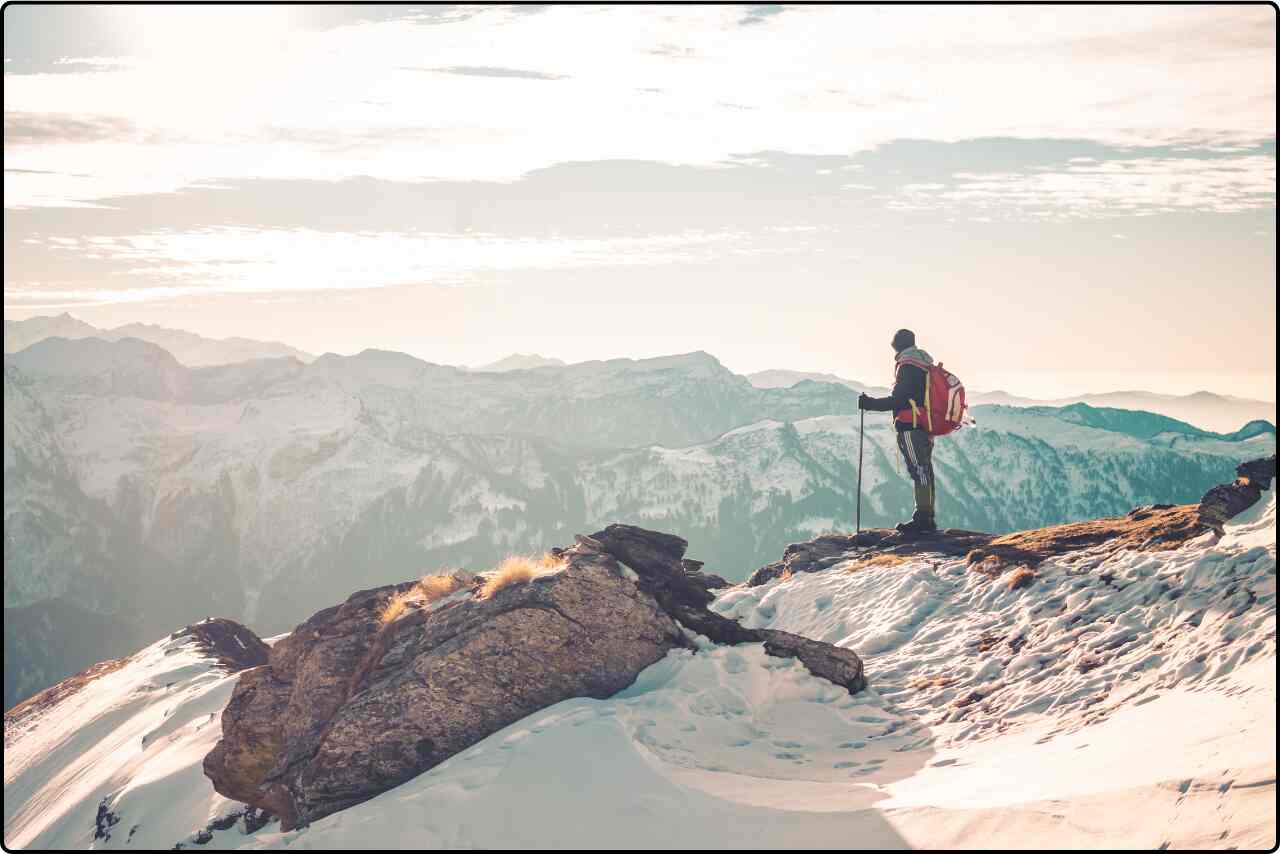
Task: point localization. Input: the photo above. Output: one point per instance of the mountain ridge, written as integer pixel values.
(188, 348)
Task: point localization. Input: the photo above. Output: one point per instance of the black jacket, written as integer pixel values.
(908, 386)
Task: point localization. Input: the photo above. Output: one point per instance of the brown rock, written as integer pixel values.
(252, 737)
(829, 549)
(323, 727)
(232, 645)
(1226, 500)
(348, 707)
(833, 663)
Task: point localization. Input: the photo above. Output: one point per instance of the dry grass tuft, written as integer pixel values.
(886, 559)
(394, 608)
(430, 588)
(991, 566)
(517, 569)
(932, 682)
(1021, 577)
(437, 587)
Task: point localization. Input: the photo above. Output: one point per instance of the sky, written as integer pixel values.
(1057, 200)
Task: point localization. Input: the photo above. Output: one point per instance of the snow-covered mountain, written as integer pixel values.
(140, 493)
(521, 362)
(1121, 699)
(780, 378)
(187, 347)
(1215, 412)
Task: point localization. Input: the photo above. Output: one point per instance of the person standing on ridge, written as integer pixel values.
(908, 402)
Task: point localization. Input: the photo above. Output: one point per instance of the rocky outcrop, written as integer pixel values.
(1226, 500)
(230, 644)
(1153, 527)
(349, 705)
(829, 549)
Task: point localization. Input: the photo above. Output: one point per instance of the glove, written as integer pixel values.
(863, 399)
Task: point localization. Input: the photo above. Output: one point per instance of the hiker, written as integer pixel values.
(907, 402)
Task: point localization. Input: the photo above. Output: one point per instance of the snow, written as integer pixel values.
(136, 737)
(1167, 738)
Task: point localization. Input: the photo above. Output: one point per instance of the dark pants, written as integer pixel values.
(917, 451)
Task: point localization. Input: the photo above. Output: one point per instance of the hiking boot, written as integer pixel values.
(921, 523)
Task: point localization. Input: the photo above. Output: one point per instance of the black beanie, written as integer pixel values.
(902, 339)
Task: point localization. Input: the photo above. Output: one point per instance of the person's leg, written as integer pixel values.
(924, 453)
(917, 452)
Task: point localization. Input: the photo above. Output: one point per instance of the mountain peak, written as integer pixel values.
(521, 362)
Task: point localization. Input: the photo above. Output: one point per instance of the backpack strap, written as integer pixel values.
(914, 363)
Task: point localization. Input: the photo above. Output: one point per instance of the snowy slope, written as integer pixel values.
(1127, 700)
(133, 739)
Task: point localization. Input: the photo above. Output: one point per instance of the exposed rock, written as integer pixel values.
(657, 560)
(834, 663)
(347, 707)
(232, 645)
(827, 550)
(1149, 528)
(1228, 499)
(1259, 471)
(707, 580)
(252, 735)
(104, 821)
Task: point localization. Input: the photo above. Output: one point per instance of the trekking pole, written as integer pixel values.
(861, 420)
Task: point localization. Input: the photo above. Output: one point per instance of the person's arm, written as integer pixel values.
(908, 385)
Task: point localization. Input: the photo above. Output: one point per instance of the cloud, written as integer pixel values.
(1139, 186)
(225, 260)
(29, 128)
(337, 102)
(490, 71)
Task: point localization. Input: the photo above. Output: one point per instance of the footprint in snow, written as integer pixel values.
(852, 745)
(822, 603)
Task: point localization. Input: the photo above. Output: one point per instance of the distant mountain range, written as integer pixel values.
(188, 348)
(521, 362)
(1206, 410)
(1217, 412)
(142, 494)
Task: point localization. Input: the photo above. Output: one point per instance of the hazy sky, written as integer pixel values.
(1057, 200)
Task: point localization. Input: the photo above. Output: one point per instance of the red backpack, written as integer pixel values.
(944, 407)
